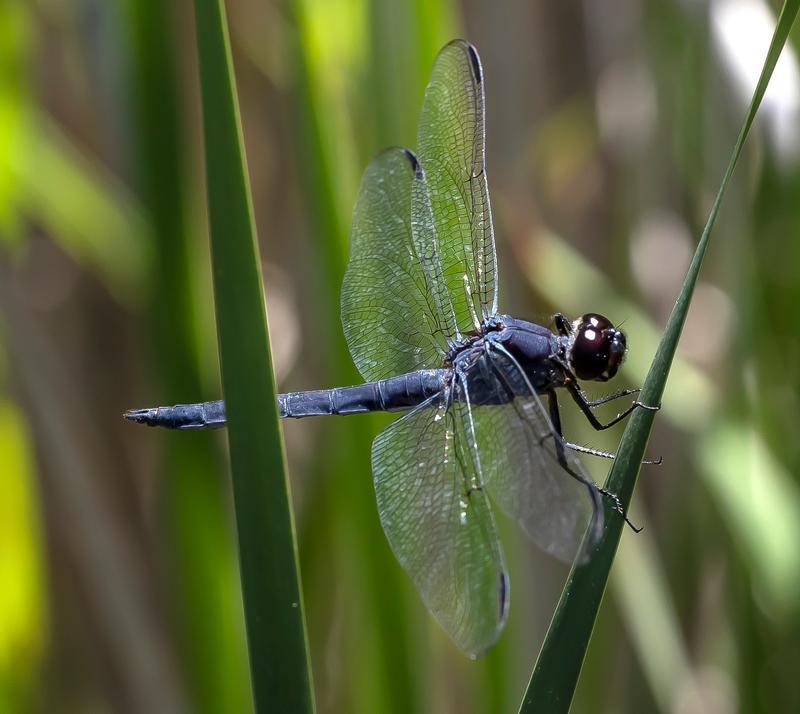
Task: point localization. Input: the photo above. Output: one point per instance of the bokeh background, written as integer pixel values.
(609, 126)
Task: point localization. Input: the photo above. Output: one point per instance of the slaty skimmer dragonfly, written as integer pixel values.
(476, 388)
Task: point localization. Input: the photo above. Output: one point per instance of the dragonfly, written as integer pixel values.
(480, 424)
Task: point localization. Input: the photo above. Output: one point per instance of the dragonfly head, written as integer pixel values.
(596, 349)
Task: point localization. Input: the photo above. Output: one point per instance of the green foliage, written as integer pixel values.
(199, 542)
(273, 604)
(597, 123)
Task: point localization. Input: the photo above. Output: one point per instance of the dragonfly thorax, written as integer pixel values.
(528, 355)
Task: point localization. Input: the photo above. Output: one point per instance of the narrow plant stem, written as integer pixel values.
(276, 636)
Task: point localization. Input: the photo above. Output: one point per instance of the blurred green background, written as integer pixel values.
(609, 126)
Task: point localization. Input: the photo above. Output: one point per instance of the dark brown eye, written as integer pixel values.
(598, 348)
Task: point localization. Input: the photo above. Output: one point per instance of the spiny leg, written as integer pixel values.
(597, 452)
(609, 397)
(586, 407)
(607, 454)
(618, 508)
(560, 444)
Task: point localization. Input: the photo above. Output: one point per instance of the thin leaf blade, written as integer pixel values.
(276, 635)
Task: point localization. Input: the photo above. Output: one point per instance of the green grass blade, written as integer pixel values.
(199, 552)
(556, 673)
(276, 636)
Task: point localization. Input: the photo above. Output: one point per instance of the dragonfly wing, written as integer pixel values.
(393, 320)
(440, 528)
(451, 149)
(522, 472)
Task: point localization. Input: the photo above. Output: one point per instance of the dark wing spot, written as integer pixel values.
(412, 160)
(475, 61)
(503, 596)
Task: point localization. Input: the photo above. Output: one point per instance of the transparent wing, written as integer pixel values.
(442, 530)
(393, 318)
(451, 149)
(522, 472)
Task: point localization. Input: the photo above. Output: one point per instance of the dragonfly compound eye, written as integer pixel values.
(597, 349)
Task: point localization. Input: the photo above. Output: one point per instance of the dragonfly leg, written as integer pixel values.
(561, 454)
(607, 454)
(563, 325)
(609, 397)
(561, 444)
(619, 509)
(558, 435)
(586, 407)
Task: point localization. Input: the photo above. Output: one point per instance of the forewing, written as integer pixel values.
(451, 149)
(391, 319)
(441, 530)
(523, 474)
